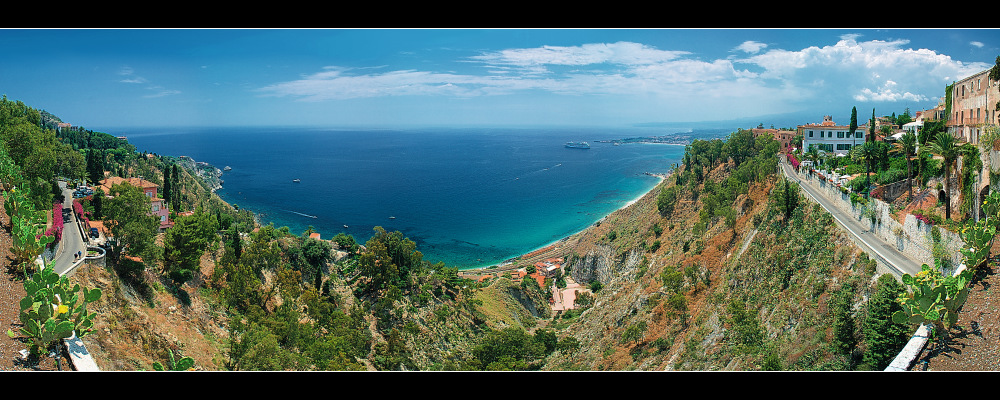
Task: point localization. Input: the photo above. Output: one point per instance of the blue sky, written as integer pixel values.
(108, 78)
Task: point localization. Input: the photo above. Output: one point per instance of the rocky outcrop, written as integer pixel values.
(602, 265)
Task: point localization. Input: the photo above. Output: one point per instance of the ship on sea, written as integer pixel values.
(578, 145)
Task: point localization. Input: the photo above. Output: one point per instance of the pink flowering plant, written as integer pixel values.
(793, 160)
(57, 223)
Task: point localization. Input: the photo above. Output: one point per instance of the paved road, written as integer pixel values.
(72, 239)
(871, 244)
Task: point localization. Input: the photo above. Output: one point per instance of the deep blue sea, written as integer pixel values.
(468, 197)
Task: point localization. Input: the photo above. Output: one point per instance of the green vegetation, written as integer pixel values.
(26, 226)
(53, 309)
(185, 242)
(947, 147)
(883, 337)
(932, 298)
(184, 364)
(296, 303)
(131, 224)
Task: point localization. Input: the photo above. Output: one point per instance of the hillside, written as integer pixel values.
(785, 273)
(723, 266)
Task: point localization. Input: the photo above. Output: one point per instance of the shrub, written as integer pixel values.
(656, 245)
(57, 223)
(890, 176)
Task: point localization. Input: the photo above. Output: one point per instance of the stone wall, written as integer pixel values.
(892, 191)
(911, 237)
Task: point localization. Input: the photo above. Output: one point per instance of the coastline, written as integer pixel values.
(544, 248)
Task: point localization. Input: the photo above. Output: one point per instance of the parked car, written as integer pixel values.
(94, 233)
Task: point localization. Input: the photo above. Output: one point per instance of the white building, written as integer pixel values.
(913, 126)
(830, 137)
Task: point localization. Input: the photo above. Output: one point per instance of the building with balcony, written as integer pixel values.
(973, 106)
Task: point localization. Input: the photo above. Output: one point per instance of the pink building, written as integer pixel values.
(158, 206)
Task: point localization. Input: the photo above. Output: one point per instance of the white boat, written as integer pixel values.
(296, 180)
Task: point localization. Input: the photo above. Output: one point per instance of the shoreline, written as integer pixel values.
(510, 261)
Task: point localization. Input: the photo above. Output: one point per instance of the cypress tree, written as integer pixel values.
(843, 321)
(883, 338)
(166, 185)
(854, 123)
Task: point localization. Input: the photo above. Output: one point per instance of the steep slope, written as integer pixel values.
(677, 307)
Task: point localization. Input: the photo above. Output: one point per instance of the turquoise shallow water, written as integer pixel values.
(468, 197)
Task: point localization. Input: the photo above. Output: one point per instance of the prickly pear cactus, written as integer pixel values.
(184, 364)
(27, 225)
(53, 309)
(978, 237)
(932, 298)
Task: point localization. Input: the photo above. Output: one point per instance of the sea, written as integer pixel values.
(469, 197)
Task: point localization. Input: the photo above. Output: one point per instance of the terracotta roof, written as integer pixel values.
(114, 180)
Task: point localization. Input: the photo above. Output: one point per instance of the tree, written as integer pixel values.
(508, 349)
(130, 221)
(389, 260)
(95, 165)
(316, 253)
(871, 129)
(184, 244)
(883, 338)
(346, 242)
(97, 201)
(907, 145)
(843, 321)
(666, 200)
(905, 118)
(971, 166)
(175, 190)
(946, 146)
(866, 153)
(166, 185)
(813, 155)
(786, 198)
(995, 71)
(854, 123)
(744, 327)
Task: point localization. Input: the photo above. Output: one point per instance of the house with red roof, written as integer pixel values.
(158, 206)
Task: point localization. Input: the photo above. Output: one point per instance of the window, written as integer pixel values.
(860, 135)
(840, 134)
(810, 133)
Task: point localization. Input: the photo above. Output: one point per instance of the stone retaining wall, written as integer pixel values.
(912, 237)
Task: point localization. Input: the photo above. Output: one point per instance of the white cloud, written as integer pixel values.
(128, 73)
(751, 47)
(160, 92)
(977, 44)
(130, 78)
(775, 80)
(872, 71)
(620, 53)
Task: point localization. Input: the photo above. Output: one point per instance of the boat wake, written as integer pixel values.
(304, 215)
